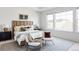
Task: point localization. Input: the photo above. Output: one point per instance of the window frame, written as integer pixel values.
(48, 21)
(77, 30)
(72, 21)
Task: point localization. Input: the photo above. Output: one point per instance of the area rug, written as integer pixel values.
(11, 46)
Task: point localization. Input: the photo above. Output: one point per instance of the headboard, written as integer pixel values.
(21, 23)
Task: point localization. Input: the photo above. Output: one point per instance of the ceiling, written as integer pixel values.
(40, 9)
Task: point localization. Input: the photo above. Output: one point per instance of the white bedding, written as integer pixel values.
(20, 36)
(36, 34)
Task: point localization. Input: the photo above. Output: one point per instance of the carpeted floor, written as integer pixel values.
(60, 45)
(11, 46)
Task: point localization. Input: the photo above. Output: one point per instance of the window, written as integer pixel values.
(49, 21)
(78, 20)
(64, 21)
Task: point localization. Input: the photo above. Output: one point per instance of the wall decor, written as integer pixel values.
(20, 16)
(23, 17)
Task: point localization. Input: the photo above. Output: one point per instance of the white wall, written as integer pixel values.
(74, 36)
(7, 14)
(32, 14)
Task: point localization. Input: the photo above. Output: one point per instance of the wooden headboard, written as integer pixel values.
(21, 23)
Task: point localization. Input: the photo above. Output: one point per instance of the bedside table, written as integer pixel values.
(5, 36)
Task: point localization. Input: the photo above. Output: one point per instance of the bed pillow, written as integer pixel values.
(17, 28)
(23, 29)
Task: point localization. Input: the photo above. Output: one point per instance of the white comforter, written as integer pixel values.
(36, 34)
(20, 36)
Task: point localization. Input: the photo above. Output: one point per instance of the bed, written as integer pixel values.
(23, 32)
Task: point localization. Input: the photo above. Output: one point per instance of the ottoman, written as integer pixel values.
(34, 46)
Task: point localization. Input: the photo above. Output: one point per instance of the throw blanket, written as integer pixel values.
(36, 34)
(23, 36)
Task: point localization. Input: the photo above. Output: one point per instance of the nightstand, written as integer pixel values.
(5, 36)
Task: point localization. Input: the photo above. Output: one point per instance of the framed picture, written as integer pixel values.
(20, 16)
(23, 16)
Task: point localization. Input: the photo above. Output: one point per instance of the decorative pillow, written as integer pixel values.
(17, 28)
(23, 29)
(29, 28)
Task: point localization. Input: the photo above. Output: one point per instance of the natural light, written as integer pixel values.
(49, 21)
(78, 19)
(64, 21)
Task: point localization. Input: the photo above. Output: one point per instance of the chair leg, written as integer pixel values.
(44, 42)
(53, 42)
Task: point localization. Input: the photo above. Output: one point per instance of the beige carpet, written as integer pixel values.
(11, 46)
(60, 45)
